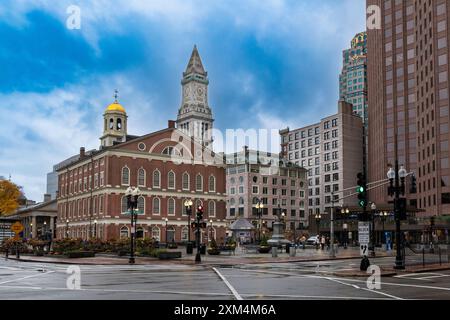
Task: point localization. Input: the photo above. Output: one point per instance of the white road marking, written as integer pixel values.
(235, 293)
(27, 277)
(119, 290)
(310, 297)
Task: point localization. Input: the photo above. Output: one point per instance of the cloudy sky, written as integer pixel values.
(271, 64)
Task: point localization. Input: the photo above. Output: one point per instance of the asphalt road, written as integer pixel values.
(298, 281)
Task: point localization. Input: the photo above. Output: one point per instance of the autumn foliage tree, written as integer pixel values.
(9, 197)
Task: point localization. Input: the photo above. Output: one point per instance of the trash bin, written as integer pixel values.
(292, 251)
(189, 248)
(203, 249)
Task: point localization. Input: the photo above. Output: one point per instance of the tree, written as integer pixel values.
(9, 197)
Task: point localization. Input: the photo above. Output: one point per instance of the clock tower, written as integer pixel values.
(195, 116)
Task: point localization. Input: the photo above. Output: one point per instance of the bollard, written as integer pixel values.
(423, 256)
(292, 252)
(274, 252)
(440, 259)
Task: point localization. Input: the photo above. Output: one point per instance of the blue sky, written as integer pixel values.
(271, 64)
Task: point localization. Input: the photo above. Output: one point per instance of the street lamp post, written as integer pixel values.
(397, 186)
(383, 216)
(259, 207)
(373, 207)
(132, 195)
(318, 218)
(210, 229)
(95, 228)
(188, 206)
(67, 228)
(166, 221)
(198, 258)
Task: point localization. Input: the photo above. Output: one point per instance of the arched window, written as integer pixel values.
(185, 181)
(141, 204)
(199, 182)
(211, 208)
(212, 184)
(241, 201)
(171, 206)
(255, 200)
(119, 124)
(124, 206)
(140, 233)
(171, 151)
(156, 233)
(232, 202)
(156, 206)
(197, 204)
(156, 179)
(141, 177)
(123, 232)
(125, 176)
(184, 234)
(111, 124)
(171, 180)
(170, 234)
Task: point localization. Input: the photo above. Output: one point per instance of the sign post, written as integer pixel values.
(17, 228)
(364, 237)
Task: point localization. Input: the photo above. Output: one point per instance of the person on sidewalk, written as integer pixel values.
(322, 242)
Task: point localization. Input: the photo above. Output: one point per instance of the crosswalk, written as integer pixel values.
(422, 276)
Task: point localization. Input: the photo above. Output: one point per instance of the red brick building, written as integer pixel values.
(169, 167)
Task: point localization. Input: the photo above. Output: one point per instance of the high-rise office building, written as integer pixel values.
(408, 62)
(353, 78)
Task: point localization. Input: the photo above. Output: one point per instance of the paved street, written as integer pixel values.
(300, 280)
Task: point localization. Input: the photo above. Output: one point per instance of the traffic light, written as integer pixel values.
(362, 190)
(413, 187)
(200, 213)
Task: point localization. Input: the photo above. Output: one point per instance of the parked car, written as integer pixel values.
(313, 240)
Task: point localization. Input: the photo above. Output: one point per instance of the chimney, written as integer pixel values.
(82, 152)
(171, 124)
(345, 107)
(47, 197)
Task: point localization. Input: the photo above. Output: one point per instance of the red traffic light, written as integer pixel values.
(200, 209)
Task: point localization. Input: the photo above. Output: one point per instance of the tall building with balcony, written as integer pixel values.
(408, 81)
(353, 78)
(332, 153)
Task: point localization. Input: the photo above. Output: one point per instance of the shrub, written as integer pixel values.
(13, 244)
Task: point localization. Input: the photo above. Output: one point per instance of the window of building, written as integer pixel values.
(185, 181)
(199, 182)
(212, 184)
(156, 179)
(156, 206)
(125, 176)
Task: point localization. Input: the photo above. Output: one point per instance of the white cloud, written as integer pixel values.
(40, 130)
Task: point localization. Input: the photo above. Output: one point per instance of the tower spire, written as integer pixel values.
(116, 95)
(195, 64)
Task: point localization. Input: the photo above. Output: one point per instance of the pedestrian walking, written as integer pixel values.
(322, 242)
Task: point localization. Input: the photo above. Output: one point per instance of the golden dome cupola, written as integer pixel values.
(115, 124)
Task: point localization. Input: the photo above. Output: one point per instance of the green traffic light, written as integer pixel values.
(360, 189)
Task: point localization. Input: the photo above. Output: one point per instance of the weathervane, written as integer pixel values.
(116, 94)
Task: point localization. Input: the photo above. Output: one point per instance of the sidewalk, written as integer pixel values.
(239, 258)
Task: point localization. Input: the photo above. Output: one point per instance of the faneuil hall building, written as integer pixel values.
(168, 166)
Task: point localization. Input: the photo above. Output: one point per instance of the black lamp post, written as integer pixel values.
(383, 216)
(397, 188)
(166, 221)
(210, 236)
(188, 206)
(95, 228)
(198, 258)
(259, 207)
(373, 207)
(67, 228)
(318, 218)
(132, 202)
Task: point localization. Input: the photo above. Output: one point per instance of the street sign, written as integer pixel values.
(17, 228)
(363, 237)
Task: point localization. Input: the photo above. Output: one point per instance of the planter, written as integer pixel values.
(169, 255)
(213, 251)
(264, 249)
(80, 254)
